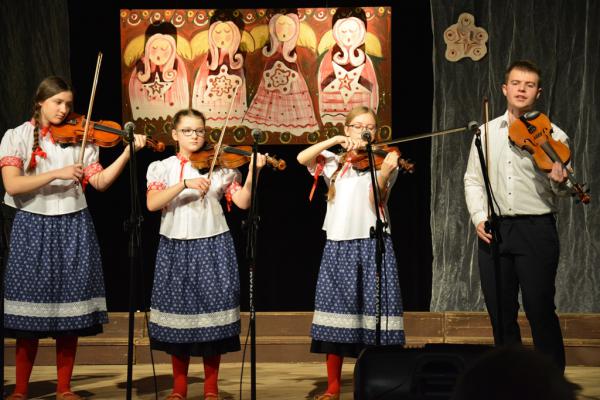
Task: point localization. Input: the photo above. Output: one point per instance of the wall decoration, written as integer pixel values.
(295, 72)
(464, 39)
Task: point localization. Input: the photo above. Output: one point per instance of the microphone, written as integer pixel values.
(257, 134)
(129, 127)
(366, 136)
(473, 126)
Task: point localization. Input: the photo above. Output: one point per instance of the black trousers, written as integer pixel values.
(529, 252)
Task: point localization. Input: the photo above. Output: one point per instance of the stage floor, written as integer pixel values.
(274, 381)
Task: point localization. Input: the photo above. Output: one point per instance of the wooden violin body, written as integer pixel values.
(533, 133)
(360, 160)
(230, 157)
(101, 133)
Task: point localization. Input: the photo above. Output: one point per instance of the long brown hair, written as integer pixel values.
(355, 112)
(47, 88)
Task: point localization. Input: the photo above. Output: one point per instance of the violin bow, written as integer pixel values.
(88, 117)
(220, 142)
(486, 119)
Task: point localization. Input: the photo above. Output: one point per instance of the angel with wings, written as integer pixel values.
(222, 69)
(282, 102)
(346, 75)
(158, 86)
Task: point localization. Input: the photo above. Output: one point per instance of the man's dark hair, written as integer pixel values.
(524, 65)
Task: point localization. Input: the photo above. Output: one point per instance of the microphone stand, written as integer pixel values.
(377, 233)
(3, 248)
(492, 226)
(251, 226)
(133, 226)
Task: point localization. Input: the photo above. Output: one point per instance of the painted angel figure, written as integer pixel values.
(222, 69)
(282, 101)
(346, 75)
(158, 86)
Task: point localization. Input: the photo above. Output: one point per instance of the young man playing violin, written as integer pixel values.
(525, 199)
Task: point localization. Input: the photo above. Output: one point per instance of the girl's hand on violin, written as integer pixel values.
(483, 235)
(200, 184)
(350, 144)
(390, 162)
(71, 172)
(558, 173)
(261, 161)
(140, 141)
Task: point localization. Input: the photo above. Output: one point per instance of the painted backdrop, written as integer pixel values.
(292, 73)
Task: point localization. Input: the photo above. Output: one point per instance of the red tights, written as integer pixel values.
(66, 348)
(334, 373)
(180, 373)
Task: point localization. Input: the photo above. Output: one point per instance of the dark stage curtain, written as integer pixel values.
(34, 44)
(563, 38)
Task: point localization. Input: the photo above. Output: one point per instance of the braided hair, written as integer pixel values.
(49, 87)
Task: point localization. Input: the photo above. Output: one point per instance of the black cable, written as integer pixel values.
(244, 358)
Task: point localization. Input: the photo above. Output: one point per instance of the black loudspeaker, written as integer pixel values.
(398, 373)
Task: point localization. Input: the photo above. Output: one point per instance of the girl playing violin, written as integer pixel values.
(344, 318)
(54, 284)
(195, 297)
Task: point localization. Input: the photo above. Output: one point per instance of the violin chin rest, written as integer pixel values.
(531, 115)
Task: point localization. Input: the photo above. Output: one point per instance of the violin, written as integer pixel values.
(360, 159)
(533, 132)
(101, 133)
(230, 157)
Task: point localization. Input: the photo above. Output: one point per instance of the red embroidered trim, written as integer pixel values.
(90, 171)
(231, 189)
(318, 172)
(156, 186)
(11, 161)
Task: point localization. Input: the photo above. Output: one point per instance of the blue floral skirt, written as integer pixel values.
(195, 307)
(344, 318)
(54, 284)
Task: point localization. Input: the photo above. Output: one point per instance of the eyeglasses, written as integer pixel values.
(188, 132)
(359, 127)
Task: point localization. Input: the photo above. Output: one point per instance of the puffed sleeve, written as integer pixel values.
(13, 149)
(91, 162)
(156, 177)
(325, 164)
(231, 182)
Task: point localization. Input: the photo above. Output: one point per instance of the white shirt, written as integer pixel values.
(350, 214)
(59, 196)
(187, 216)
(517, 185)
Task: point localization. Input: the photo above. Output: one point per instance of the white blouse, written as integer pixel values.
(188, 216)
(350, 214)
(519, 188)
(60, 196)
